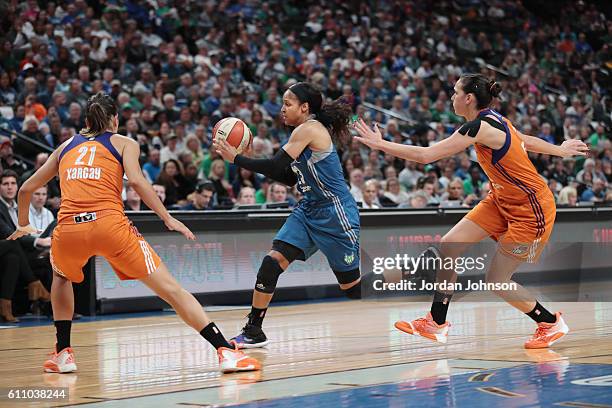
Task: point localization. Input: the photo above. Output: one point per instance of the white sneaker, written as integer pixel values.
(62, 362)
(231, 361)
(425, 327)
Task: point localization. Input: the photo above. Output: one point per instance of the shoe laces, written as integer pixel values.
(421, 320)
(540, 332)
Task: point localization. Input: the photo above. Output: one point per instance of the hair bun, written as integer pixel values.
(494, 88)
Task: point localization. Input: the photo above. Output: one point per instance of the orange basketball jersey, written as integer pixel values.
(520, 209)
(512, 176)
(91, 176)
(91, 221)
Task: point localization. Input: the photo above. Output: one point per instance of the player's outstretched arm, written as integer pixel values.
(569, 148)
(137, 180)
(277, 168)
(38, 179)
(373, 138)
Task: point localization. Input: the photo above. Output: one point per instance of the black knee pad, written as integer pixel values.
(347, 276)
(290, 252)
(268, 274)
(354, 292)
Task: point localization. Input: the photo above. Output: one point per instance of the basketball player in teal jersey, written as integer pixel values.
(326, 219)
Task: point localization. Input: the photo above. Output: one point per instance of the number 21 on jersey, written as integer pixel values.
(83, 152)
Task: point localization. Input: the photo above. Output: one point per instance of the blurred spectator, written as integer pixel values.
(201, 198)
(409, 176)
(151, 168)
(473, 184)
(546, 133)
(8, 160)
(160, 190)
(194, 147)
(40, 217)
(588, 167)
(170, 151)
(394, 193)
(277, 193)
(568, 197)
(133, 201)
(454, 191)
(246, 196)
(244, 178)
(22, 247)
(177, 187)
(261, 195)
(418, 199)
(218, 178)
(428, 186)
(596, 192)
(356, 184)
(370, 195)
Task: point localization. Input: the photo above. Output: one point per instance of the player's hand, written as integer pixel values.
(367, 136)
(175, 225)
(574, 147)
(22, 232)
(227, 151)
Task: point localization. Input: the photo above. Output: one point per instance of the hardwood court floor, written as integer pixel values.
(314, 348)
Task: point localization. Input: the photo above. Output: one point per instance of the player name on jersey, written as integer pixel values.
(83, 173)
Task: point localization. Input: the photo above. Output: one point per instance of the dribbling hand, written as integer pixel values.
(227, 151)
(175, 225)
(367, 136)
(574, 147)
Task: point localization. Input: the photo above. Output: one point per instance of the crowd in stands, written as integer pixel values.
(175, 68)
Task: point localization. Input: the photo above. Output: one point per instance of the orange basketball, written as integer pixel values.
(234, 131)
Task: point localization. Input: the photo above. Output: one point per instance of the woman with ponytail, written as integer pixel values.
(91, 221)
(326, 219)
(519, 212)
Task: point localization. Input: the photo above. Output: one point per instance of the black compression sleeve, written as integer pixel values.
(277, 168)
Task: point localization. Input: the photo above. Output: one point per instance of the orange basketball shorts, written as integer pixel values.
(522, 228)
(110, 235)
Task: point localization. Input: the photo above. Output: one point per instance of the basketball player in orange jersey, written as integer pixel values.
(518, 213)
(91, 222)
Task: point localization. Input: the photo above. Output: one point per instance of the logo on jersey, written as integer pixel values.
(496, 186)
(521, 249)
(349, 259)
(300, 178)
(260, 286)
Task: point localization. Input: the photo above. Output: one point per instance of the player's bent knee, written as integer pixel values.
(349, 277)
(268, 274)
(283, 251)
(280, 258)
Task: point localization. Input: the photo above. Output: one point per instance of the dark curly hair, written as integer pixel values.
(335, 115)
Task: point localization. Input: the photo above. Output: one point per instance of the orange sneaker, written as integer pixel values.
(547, 333)
(62, 362)
(233, 360)
(426, 327)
